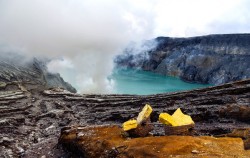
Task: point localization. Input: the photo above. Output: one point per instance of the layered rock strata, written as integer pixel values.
(31, 118)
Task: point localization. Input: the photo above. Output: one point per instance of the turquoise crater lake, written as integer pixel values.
(129, 81)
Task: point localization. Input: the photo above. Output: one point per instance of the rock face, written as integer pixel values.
(107, 142)
(213, 59)
(31, 118)
(13, 67)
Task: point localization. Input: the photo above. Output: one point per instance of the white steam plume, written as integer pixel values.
(81, 35)
(88, 33)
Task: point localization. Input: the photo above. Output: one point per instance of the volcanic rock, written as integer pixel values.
(107, 142)
(31, 118)
(213, 59)
(14, 67)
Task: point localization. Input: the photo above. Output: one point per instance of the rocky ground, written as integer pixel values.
(33, 110)
(108, 142)
(213, 59)
(31, 116)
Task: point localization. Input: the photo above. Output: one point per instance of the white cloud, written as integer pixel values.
(199, 17)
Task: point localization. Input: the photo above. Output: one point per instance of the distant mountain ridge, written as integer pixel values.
(213, 59)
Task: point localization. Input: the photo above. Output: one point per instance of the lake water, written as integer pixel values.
(128, 81)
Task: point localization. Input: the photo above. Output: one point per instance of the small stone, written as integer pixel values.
(195, 151)
(2, 84)
(6, 140)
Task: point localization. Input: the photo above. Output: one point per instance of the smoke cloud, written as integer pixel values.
(81, 36)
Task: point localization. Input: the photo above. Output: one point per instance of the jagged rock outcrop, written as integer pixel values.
(31, 118)
(213, 59)
(14, 67)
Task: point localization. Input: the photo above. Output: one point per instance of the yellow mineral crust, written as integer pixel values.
(167, 119)
(177, 119)
(128, 125)
(144, 114)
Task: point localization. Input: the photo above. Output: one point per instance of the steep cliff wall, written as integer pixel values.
(213, 59)
(15, 67)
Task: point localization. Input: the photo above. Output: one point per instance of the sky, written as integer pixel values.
(185, 18)
(83, 36)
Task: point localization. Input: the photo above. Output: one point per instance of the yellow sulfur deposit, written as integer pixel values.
(181, 118)
(177, 119)
(128, 125)
(144, 114)
(167, 119)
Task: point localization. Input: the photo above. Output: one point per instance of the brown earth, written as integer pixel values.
(107, 141)
(31, 116)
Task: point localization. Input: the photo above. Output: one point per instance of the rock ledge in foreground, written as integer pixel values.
(107, 141)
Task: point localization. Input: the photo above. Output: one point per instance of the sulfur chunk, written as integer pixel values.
(128, 125)
(144, 114)
(181, 118)
(177, 119)
(167, 119)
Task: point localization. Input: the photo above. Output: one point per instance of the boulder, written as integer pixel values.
(107, 141)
